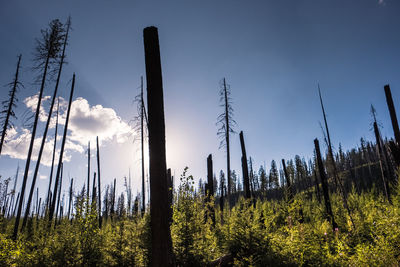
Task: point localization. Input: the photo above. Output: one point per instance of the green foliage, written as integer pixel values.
(265, 233)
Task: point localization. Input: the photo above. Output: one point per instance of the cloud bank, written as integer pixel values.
(86, 122)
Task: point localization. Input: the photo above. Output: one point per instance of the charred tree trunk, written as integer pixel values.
(94, 194)
(392, 112)
(228, 156)
(88, 173)
(324, 183)
(52, 160)
(98, 181)
(245, 170)
(10, 105)
(52, 206)
(59, 191)
(161, 252)
(382, 167)
(142, 143)
(28, 159)
(210, 188)
(53, 100)
(70, 197)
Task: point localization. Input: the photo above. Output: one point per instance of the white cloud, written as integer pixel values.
(42, 177)
(86, 122)
(381, 2)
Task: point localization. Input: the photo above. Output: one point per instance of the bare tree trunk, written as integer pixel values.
(88, 173)
(142, 143)
(94, 194)
(70, 197)
(52, 206)
(383, 170)
(210, 188)
(98, 180)
(53, 157)
(228, 156)
(10, 105)
(28, 158)
(161, 252)
(328, 207)
(245, 171)
(53, 100)
(392, 111)
(59, 191)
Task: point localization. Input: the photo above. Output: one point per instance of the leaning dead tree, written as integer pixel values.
(227, 123)
(337, 180)
(245, 171)
(9, 105)
(53, 100)
(47, 53)
(328, 207)
(161, 243)
(288, 183)
(54, 195)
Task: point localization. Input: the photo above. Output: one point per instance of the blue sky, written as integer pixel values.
(272, 53)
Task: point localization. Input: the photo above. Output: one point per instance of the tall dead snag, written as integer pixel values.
(94, 188)
(88, 173)
(395, 149)
(324, 183)
(392, 112)
(70, 197)
(52, 205)
(52, 160)
(47, 53)
(142, 143)
(382, 167)
(225, 119)
(98, 181)
(338, 181)
(161, 250)
(245, 171)
(8, 113)
(53, 100)
(210, 188)
(287, 178)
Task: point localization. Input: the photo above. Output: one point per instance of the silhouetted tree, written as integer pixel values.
(245, 171)
(9, 105)
(161, 250)
(273, 175)
(52, 205)
(53, 100)
(227, 123)
(47, 52)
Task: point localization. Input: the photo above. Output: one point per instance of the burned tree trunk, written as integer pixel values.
(11, 105)
(88, 172)
(52, 205)
(245, 170)
(210, 188)
(161, 250)
(392, 112)
(70, 197)
(382, 167)
(324, 183)
(98, 181)
(142, 143)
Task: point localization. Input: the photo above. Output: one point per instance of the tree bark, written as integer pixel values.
(52, 206)
(161, 250)
(245, 170)
(324, 183)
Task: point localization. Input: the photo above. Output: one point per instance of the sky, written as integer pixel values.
(273, 54)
